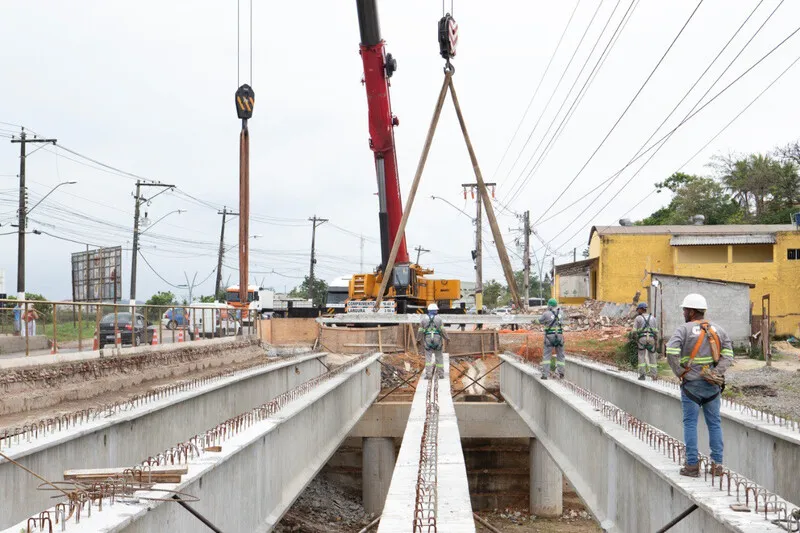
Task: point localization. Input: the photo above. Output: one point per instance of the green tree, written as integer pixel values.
(161, 298)
(533, 284)
(318, 293)
(695, 195)
(210, 299)
(494, 294)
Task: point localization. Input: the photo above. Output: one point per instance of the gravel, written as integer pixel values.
(324, 507)
(768, 389)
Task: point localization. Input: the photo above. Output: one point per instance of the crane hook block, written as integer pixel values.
(448, 36)
(391, 65)
(245, 101)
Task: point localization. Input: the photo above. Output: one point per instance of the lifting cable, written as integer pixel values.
(448, 40)
(245, 102)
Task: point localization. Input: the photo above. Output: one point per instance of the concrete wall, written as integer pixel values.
(728, 305)
(130, 437)
(758, 450)
(362, 340)
(289, 330)
(10, 344)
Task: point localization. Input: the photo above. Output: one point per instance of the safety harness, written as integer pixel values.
(555, 332)
(430, 334)
(647, 331)
(714, 343)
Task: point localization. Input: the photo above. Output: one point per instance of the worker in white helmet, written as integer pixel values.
(432, 335)
(699, 353)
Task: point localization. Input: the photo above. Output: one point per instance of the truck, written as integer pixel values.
(264, 302)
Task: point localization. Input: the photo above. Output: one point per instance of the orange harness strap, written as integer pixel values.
(713, 341)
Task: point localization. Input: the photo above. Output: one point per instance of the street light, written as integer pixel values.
(150, 226)
(454, 207)
(49, 193)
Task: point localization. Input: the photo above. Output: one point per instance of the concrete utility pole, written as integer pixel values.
(315, 222)
(527, 257)
(225, 213)
(478, 241)
(574, 255)
(23, 199)
(420, 250)
(136, 211)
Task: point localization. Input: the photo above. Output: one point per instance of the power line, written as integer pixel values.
(536, 91)
(638, 153)
(627, 108)
(600, 60)
(723, 129)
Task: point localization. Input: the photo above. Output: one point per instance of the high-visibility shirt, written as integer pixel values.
(680, 346)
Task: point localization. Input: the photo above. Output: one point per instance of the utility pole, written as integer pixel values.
(574, 255)
(527, 257)
(23, 204)
(420, 250)
(139, 200)
(478, 254)
(225, 213)
(315, 222)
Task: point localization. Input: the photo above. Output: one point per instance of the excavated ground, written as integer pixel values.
(34, 393)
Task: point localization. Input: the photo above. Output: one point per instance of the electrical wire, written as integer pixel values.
(578, 98)
(625, 111)
(536, 91)
(638, 153)
(723, 129)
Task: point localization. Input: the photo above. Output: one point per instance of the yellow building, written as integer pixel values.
(621, 259)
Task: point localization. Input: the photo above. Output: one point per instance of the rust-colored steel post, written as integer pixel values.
(55, 323)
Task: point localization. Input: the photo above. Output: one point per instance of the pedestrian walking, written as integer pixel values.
(646, 332)
(699, 353)
(432, 336)
(553, 339)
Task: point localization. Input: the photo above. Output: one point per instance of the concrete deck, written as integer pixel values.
(454, 509)
(760, 448)
(628, 485)
(130, 436)
(260, 471)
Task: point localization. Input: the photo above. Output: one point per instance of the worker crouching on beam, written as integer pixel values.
(699, 353)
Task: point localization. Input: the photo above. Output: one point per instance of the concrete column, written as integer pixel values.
(377, 464)
(547, 486)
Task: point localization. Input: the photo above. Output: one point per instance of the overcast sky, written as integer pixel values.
(147, 87)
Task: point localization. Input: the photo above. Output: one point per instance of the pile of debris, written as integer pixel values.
(595, 314)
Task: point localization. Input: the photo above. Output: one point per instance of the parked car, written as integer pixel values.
(502, 311)
(128, 330)
(175, 317)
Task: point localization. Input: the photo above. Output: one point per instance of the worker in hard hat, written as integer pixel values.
(432, 335)
(699, 353)
(645, 330)
(553, 339)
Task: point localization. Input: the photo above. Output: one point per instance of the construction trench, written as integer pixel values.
(313, 428)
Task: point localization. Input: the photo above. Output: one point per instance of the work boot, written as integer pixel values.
(691, 470)
(544, 376)
(716, 470)
(642, 377)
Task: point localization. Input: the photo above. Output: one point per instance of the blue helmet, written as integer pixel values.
(642, 305)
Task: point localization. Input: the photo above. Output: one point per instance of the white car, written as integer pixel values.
(502, 311)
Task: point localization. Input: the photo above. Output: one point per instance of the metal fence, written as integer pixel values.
(39, 327)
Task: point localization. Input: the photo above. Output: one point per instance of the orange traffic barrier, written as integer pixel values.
(154, 341)
(180, 335)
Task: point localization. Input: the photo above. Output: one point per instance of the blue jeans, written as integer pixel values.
(691, 410)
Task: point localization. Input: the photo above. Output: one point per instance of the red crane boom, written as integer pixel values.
(378, 68)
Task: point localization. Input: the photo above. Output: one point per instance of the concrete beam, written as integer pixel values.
(475, 420)
(381, 318)
(760, 449)
(627, 485)
(250, 484)
(454, 509)
(129, 437)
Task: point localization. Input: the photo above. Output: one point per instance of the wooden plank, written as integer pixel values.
(370, 345)
(117, 471)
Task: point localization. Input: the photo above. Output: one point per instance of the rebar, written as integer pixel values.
(426, 497)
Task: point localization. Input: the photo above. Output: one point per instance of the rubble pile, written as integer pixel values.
(595, 314)
(324, 507)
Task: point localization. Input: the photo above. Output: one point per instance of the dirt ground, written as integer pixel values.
(575, 519)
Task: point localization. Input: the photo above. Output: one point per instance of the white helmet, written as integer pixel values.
(433, 307)
(695, 301)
